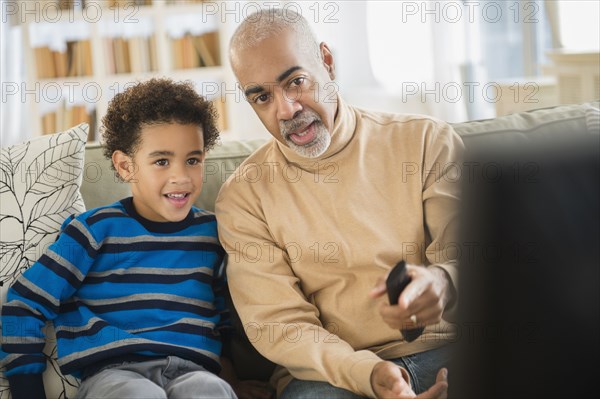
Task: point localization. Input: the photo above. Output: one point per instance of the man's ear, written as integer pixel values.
(327, 57)
(124, 165)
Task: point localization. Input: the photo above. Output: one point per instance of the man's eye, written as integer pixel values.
(161, 162)
(263, 98)
(297, 81)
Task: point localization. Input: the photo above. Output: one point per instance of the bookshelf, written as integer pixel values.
(80, 53)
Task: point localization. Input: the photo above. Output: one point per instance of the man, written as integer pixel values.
(315, 219)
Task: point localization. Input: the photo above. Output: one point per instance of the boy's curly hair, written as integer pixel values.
(155, 101)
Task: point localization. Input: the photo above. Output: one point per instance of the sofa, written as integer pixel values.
(98, 185)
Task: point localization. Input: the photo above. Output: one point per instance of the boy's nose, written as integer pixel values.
(179, 175)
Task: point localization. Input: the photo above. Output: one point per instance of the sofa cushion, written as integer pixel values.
(100, 184)
(592, 119)
(39, 189)
(101, 187)
(511, 130)
(221, 162)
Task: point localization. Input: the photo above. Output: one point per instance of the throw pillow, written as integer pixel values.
(39, 188)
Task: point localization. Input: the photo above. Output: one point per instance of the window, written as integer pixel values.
(456, 44)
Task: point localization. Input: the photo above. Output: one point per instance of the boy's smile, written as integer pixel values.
(165, 172)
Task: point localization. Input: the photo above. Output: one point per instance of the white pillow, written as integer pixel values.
(39, 189)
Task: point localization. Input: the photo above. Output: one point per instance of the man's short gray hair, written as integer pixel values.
(270, 22)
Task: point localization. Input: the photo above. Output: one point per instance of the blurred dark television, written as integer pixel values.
(529, 303)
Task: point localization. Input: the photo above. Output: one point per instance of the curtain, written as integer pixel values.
(13, 109)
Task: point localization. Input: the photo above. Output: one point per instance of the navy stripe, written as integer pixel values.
(203, 219)
(98, 326)
(60, 270)
(93, 330)
(27, 293)
(97, 217)
(25, 360)
(81, 239)
(205, 361)
(140, 305)
(187, 329)
(24, 348)
(17, 311)
(139, 278)
(160, 246)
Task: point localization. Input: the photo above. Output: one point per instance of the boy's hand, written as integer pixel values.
(251, 389)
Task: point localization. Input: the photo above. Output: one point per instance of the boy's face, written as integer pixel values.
(166, 171)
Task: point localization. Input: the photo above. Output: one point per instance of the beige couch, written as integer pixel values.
(101, 187)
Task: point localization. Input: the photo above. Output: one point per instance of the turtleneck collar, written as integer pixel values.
(343, 131)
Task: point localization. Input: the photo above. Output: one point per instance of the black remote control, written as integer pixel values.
(396, 282)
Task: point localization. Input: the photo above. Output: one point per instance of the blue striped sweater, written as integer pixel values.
(117, 285)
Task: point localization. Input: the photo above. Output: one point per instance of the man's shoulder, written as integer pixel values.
(409, 128)
(401, 120)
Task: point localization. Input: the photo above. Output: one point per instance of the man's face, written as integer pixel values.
(291, 91)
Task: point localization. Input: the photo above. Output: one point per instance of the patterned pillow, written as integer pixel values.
(39, 188)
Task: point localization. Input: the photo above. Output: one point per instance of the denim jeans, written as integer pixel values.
(422, 368)
(170, 377)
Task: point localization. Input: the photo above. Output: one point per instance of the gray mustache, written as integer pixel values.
(302, 120)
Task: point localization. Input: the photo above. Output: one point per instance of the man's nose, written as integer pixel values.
(287, 106)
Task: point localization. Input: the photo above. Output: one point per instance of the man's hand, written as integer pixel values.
(391, 382)
(388, 381)
(425, 297)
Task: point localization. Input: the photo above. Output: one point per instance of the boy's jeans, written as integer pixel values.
(422, 368)
(171, 377)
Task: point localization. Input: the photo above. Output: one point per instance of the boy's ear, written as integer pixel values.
(124, 165)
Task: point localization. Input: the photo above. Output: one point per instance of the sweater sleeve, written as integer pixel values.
(220, 290)
(278, 319)
(35, 298)
(442, 174)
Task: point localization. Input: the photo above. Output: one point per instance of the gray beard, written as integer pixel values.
(322, 136)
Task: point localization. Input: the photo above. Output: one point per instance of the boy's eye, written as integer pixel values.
(161, 162)
(194, 161)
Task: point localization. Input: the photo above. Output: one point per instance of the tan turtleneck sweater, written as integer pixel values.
(308, 238)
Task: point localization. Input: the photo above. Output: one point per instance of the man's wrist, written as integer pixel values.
(449, 292)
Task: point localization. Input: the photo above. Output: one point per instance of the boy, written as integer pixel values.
(135, 288)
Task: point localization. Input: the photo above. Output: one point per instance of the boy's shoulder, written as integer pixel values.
(202, 217)
(94, 215)
(199, 213)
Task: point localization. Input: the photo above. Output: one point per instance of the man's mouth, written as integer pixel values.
(304, 136)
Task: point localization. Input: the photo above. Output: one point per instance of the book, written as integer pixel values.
(61, 63)
(204, 51)
(44, 63)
